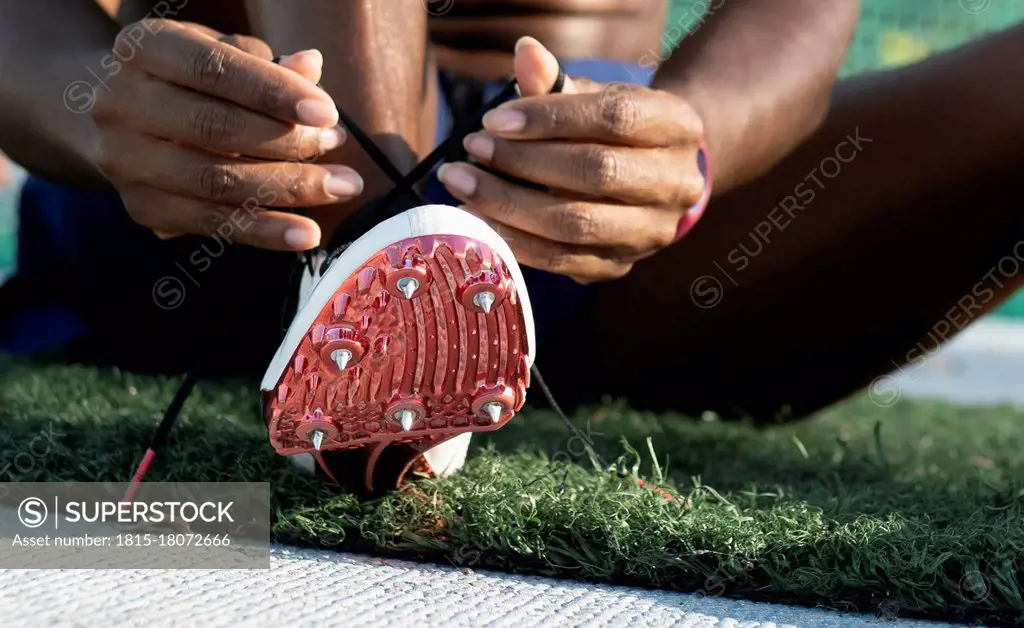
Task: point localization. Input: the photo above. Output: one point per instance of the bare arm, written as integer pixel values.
(51, 50)
(191, 127)
(760, 74)
(374, 62)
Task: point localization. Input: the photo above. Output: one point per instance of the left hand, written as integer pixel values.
(619, 162)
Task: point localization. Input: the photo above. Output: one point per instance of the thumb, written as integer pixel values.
(308, 63)
(537, 69)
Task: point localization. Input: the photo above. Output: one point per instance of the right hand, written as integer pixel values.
(200, 133)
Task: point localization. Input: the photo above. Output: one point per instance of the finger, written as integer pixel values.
(308, 63)
(5, 171)
(206, 30)
(640, 176)
(182, 115)
(169, 215)
(537, 69)
(583, 264)
(587, 86)
(570, 221)
(252, 45)
(191, 59)
(619, 114)
(223, 179)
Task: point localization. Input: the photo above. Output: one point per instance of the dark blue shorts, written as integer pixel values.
(104, 281)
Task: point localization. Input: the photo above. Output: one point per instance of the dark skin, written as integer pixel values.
(755, 82)
(891, 258)
(376, 74)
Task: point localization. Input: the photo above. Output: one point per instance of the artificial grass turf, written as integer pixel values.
(913, 510)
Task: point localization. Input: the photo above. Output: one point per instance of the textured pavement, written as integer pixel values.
(312, 588)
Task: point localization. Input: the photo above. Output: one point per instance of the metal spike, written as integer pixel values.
(342, 358)
(406, 418)
(484, 301)
(317, 436)
(493, 410)
(408, 286)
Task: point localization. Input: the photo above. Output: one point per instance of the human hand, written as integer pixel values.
(6, 172)
(620, 164)
(199, 130)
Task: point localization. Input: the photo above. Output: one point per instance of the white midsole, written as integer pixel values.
(422, 221)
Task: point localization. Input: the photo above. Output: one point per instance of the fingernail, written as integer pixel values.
(342, 182)
(505, 120)
(332, 138)
(457, 179)
(525, 40)
(299, 239)
(479, 145)
(316, 112)
(296, 56)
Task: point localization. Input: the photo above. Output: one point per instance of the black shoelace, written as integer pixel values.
(354, 226)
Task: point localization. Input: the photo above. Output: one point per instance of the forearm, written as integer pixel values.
(760, 74)
(52, 52)
(374, 59)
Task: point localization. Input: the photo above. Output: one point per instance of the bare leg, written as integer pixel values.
(894, 226)
(375, 68)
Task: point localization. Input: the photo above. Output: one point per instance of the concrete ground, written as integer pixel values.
(311, 588)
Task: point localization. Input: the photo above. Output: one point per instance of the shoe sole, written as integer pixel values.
(436, 354)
